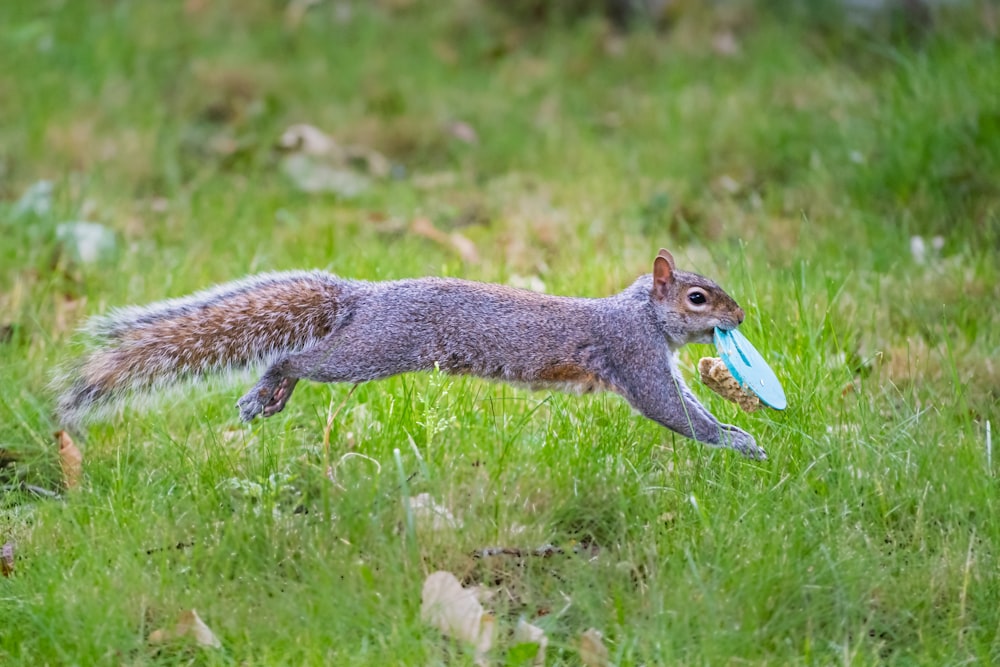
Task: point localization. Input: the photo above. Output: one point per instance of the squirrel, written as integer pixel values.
(324, 328)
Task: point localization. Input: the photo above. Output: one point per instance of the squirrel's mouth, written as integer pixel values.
(707, 336)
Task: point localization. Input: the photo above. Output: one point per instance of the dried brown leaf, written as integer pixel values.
(194, 7)
(70, 460)
(526, 633)
(7, 559)
(593, 652)
(189, 624)
(296, 10)
(465, 248)
(456, 612)
(307, 140)
(430, 514)
(315, 176)
(435, 180)
(463, 132)
(67, 312)
(310, 140)
(724, 43)
(8, 458)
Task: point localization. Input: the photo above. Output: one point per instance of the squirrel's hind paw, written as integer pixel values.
(250, 406)
(267, 398)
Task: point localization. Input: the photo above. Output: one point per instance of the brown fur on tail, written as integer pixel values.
(232, 326)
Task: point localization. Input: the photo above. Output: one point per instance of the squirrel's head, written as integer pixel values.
(689, 307)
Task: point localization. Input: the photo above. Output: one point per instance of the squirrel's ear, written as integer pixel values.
(663, 273)
(667, 256)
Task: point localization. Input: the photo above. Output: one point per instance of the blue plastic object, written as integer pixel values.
(749, 368)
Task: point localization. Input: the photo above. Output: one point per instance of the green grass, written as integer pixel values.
(795, 173)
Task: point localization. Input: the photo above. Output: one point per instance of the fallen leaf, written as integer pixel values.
(593, 652)
(70, 460)
(725, 44)
(310, 140)
(189, 624)
(296, 10)
(614, 45)
(312, 176)
(456, 612)
(435, 180)
(67, 311)
(193, 625)
(463, 132)
(465, 248)
(195, 7)
(990, 19)
(7, 559)
(429, 514)
(728, 184)
(303, 139)
(526, 633)
(7, 458)
(222, 144)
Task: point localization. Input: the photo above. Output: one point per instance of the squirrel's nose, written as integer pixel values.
(739, 316)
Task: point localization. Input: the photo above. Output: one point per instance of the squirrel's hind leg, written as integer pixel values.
(323, 363)
(337, 359)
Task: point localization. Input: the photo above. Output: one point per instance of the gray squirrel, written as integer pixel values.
(317, 326)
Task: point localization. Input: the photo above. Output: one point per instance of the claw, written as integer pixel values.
(249, 407)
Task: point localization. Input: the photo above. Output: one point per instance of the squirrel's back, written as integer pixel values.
(464, 327)
(232, 326)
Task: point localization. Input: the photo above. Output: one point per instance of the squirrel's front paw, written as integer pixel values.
(743, 443)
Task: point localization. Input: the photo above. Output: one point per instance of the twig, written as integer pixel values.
(180, 546)
(963, 594)
(544, 551)
(36, 491)
(989, 449)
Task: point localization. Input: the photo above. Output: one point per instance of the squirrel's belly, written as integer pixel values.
(569, 377)
(570, 387)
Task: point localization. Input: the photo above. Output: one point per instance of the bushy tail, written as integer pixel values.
(232, 326)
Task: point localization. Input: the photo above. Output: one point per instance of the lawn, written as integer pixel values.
(839, 176)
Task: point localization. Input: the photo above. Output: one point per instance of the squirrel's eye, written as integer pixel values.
(697, 298)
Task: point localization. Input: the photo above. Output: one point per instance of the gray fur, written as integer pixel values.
(322, 328)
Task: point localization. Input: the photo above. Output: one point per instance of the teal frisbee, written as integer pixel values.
(749, 368)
